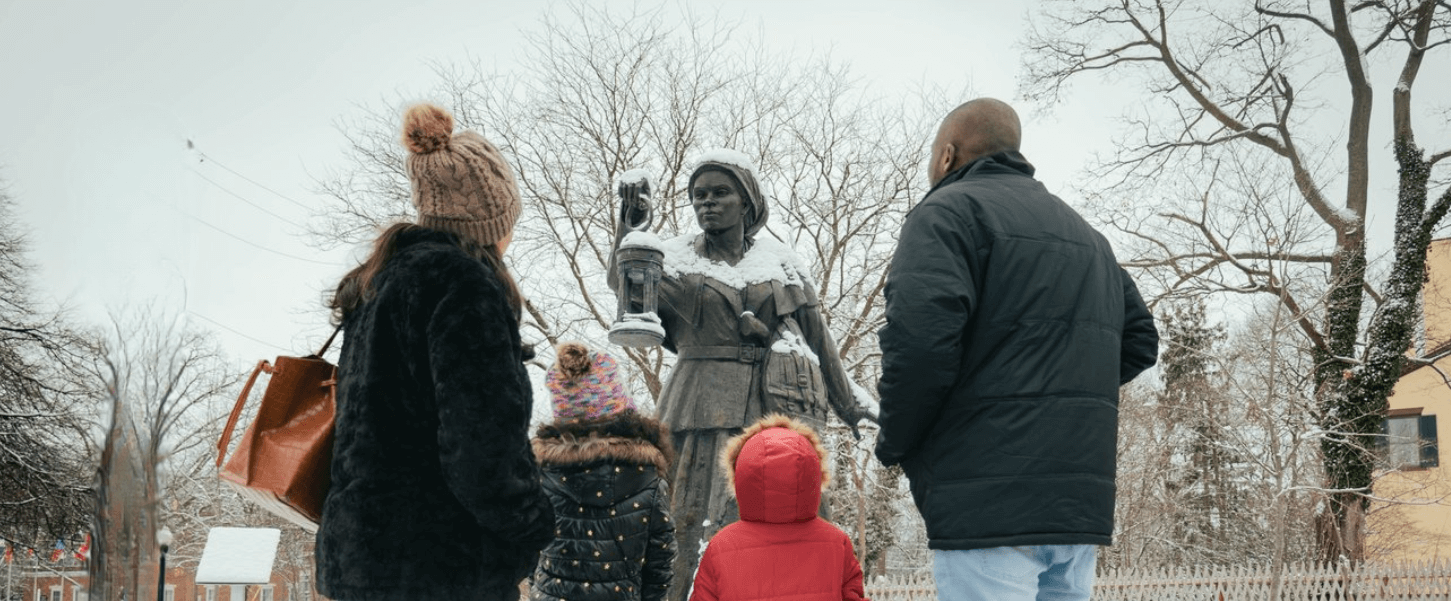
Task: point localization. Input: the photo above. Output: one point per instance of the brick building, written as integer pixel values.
(68, 581)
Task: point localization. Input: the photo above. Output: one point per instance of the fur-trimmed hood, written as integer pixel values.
(627, 437)
(778, 469)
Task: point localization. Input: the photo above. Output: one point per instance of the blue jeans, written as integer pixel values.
(1029, 573)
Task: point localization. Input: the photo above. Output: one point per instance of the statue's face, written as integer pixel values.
(718, 204)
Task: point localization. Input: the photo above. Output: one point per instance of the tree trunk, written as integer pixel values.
(1347, 468)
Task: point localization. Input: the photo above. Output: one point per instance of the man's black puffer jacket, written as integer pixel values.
(613, 537)
(1010, 327)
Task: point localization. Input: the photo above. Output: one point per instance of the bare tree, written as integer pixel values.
(44, 478)
(602, 92)
(865, 497)
(1217, 464)
(1185, 476)
(1244, 105)
(161, 378)
(1270, 372)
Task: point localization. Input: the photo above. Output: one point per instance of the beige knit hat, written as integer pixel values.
(461, 183)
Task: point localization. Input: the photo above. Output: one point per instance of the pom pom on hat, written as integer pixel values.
(460, 182)
(426, 128)
(573, 361)
(584, 384)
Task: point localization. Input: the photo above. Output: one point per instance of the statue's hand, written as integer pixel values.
(635, 204)
(865, 410)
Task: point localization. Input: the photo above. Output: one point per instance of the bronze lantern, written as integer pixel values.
(639, 263)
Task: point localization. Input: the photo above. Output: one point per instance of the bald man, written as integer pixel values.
(1010, 328)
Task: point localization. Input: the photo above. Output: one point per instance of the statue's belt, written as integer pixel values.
(744, 353)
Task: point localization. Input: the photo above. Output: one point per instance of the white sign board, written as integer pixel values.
(238, 556)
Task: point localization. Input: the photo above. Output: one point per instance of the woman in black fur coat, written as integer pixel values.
(435, 493)
(603, 464)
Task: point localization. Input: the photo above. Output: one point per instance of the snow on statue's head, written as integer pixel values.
(743, 171)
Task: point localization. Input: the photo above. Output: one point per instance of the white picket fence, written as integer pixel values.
(1410, 581)
(902, 587)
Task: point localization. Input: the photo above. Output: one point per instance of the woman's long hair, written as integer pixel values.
(356, 287)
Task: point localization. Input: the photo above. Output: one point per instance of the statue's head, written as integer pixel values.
(728, 178)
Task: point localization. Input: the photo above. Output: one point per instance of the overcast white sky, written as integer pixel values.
(100, 98)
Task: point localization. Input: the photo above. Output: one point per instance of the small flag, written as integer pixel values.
(59, 551)
(84, 552)
(9, 554)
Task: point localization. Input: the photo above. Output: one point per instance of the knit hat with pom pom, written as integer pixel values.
(461, 183)
(584, 384)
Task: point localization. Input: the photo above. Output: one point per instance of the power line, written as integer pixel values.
(205, 156)
(251, 243)
(241, 198)
(220, 325)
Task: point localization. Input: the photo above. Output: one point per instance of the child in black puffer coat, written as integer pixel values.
(602, 464)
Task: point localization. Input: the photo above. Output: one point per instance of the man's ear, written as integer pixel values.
(945, 160)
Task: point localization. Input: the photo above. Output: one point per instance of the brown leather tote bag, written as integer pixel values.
(283, 460)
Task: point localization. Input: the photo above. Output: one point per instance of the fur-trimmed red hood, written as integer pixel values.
(778, 469)
(628, 437)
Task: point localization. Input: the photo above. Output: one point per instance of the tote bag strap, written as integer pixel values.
(329, 342)
(262, 366)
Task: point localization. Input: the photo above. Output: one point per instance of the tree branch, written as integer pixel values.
(1259, 8)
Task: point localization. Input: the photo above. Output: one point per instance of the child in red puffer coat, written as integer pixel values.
(780, 547)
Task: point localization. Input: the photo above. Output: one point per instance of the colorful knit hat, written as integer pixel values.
(584, 384)
(460, 182)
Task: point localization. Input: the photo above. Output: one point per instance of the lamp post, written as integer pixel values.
(163, 536)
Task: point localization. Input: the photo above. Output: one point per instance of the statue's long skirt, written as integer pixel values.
(701, 501)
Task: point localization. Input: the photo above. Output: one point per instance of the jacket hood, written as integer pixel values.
(603, 460)
(778, 470)
(626, 437)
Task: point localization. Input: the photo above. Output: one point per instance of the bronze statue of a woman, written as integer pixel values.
(744, 322)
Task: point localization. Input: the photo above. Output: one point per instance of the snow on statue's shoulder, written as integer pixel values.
(767, 260)
(633, 176)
